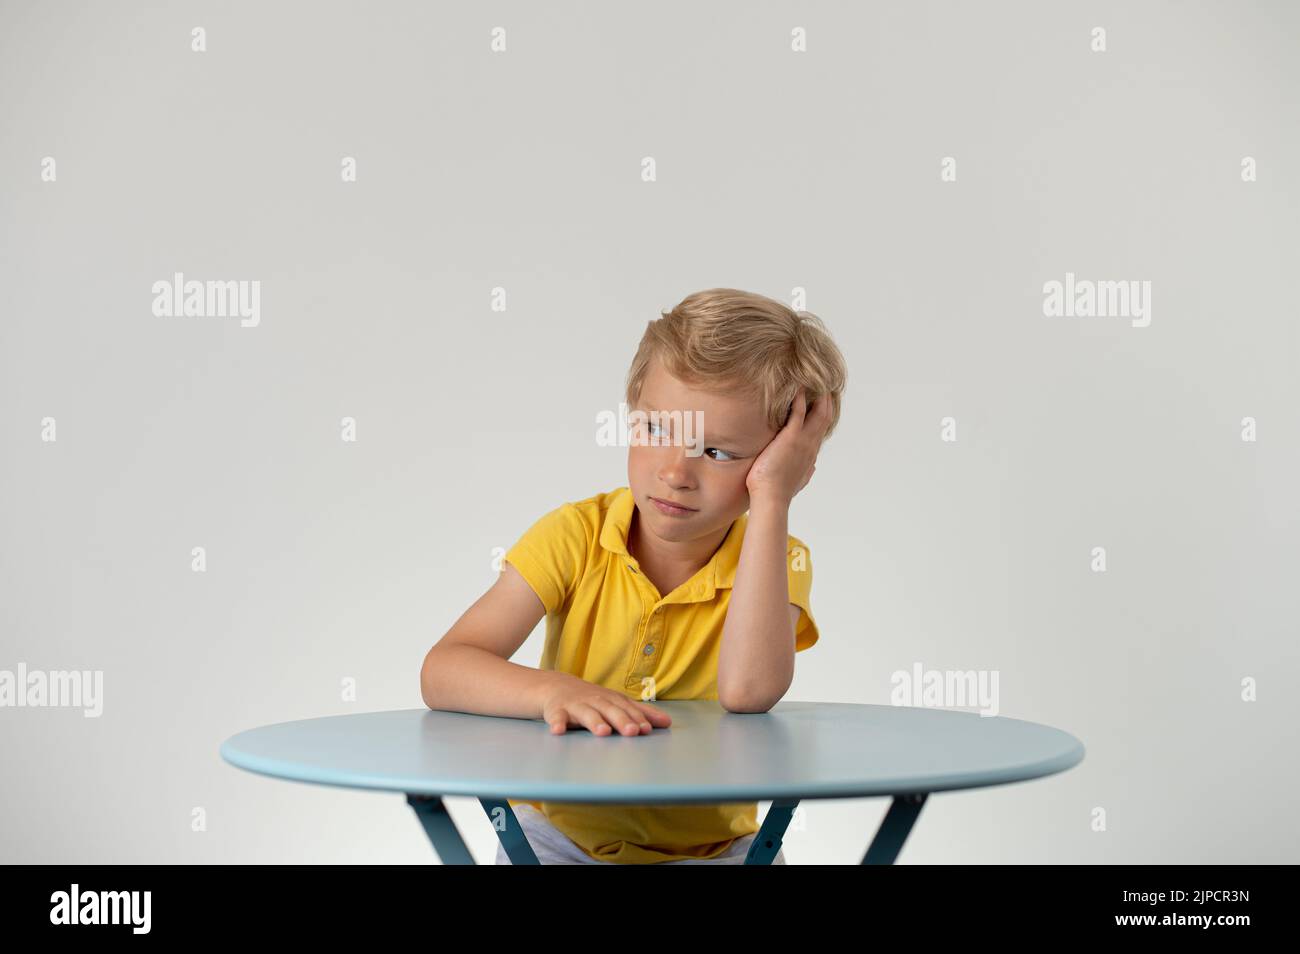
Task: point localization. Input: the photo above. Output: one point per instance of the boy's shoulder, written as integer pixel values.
(595, 510)
(588, 517)
(600, 503)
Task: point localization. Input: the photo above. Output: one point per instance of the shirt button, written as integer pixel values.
(649, 650)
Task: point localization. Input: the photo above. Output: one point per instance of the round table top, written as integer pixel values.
(799, 750)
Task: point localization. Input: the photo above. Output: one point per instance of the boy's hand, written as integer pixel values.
(578, 703)
(787, 463)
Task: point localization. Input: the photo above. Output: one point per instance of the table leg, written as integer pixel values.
(894, 829)
(767, 840)
(440, 829)
(506, 824)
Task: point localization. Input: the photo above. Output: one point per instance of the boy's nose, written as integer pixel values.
(676, 482)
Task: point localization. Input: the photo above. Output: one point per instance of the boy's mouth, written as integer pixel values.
(670, 508)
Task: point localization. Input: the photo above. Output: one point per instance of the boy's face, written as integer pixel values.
(702, 458)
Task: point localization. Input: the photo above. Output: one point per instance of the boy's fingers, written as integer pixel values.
(639, 721)
(601, 717)
(619, 718)
(821, 417)
(586, 716)
(797, 409)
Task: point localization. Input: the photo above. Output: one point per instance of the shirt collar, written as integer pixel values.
(719, 572)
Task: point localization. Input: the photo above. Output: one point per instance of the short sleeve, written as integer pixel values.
(551, 554)
(799, 571)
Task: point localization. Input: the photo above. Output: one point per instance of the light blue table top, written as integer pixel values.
(796, 750)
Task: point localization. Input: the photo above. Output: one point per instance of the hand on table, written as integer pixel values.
(581, 704)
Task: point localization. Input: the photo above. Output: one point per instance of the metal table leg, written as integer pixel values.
(451, 847)
(506, 824)
(440, 829)
(894, 829)
(767, 840)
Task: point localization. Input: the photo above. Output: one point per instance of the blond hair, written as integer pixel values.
(726, 340)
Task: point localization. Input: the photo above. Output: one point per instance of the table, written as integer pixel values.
(794, 751)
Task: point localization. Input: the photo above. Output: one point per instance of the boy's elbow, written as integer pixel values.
(747, 708)
(733, 703)
(426, 679)
(751, 699)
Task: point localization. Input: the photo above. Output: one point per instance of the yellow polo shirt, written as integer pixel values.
(576, 559)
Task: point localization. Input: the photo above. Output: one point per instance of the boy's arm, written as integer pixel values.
(469, 669)
(756, 661)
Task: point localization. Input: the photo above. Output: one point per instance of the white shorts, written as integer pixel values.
(554, 847)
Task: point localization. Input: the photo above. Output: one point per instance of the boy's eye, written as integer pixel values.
(651, 427)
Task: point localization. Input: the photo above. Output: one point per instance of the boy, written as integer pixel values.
(685, 584)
